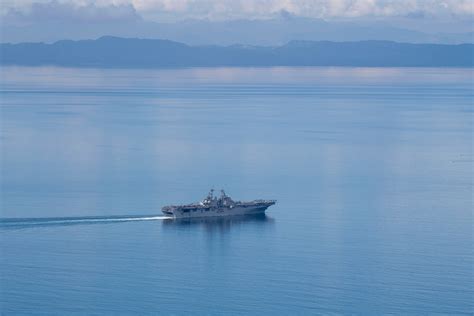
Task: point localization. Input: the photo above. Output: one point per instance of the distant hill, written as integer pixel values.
(114, 52)
(48, 25)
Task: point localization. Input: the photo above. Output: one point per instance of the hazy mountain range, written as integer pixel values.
(265, 32)
(111, 51)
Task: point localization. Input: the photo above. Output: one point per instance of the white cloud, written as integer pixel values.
(229, 9)
(68, 12)
(311, 8)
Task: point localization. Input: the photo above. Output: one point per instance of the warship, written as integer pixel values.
(217, 206)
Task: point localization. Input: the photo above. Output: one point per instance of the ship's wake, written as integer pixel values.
(63, 221)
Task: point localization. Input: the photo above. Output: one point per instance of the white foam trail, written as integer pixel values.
(103, 220)
(71, 221)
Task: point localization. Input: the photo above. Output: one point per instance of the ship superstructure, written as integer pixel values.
(217, 206)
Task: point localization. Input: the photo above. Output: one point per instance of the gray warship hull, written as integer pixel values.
(179, 212)
(213, 207)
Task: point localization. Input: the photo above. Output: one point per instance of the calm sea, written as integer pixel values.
(372, 170)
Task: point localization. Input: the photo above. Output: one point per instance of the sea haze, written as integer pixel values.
(372, 169)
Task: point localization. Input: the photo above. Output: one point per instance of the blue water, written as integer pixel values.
(372, 170)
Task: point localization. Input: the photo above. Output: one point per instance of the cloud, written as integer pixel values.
(69, 12)
(222, 9)
(160, 10)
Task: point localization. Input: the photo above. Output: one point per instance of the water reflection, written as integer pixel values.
(140, 80)
(218, 224)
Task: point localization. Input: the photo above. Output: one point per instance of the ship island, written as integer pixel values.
(212, 206)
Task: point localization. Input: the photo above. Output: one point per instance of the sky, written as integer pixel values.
(257, 9)
(431, 16)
